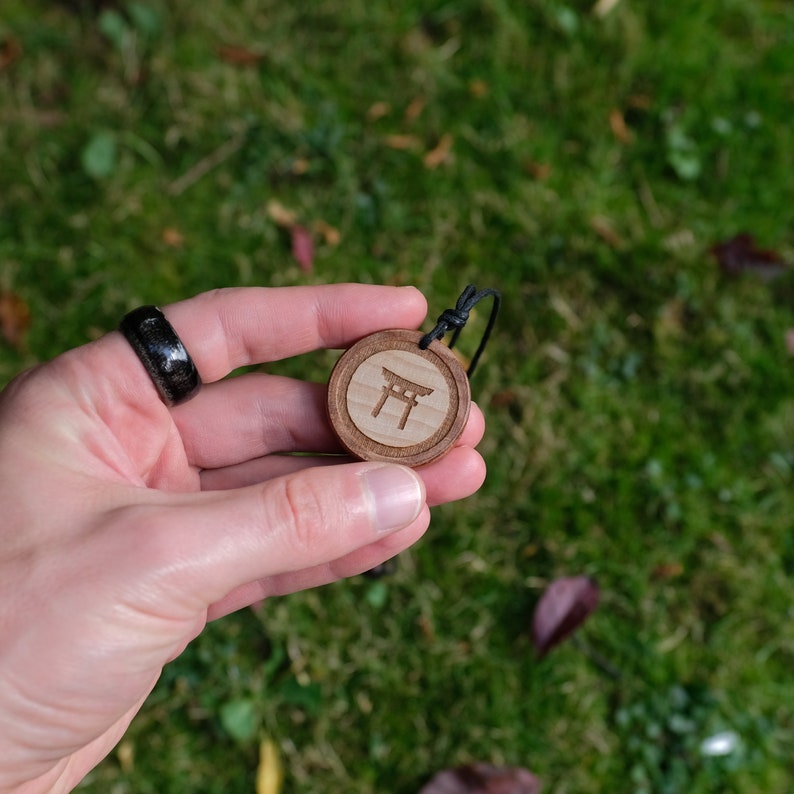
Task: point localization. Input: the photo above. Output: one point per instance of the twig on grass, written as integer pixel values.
(207, 164)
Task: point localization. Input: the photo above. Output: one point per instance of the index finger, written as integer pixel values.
(230, 328)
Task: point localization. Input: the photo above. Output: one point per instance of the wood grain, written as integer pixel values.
(390, 400)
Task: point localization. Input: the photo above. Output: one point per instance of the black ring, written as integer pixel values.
(161, 351)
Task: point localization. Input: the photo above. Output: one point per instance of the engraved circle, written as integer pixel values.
(439, 357)
(398, 398)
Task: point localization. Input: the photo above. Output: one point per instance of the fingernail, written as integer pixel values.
(397, 496)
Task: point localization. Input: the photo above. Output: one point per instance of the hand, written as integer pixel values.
(127, 525)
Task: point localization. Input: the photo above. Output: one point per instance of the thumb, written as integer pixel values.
(206, 545)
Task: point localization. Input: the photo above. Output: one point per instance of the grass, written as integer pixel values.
(640, 403)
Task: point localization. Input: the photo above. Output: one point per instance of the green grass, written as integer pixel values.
(640, 404)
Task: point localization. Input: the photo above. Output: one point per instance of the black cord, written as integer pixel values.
(456, 318)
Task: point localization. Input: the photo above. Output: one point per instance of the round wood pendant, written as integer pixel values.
(390, 400)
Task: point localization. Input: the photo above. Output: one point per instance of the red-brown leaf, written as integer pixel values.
(483, 779)
(302, 247)
(441, 153)
(14, 319)
(240, 56)
(617, 124)
(10, 52)
(562, 608)
(741, 254)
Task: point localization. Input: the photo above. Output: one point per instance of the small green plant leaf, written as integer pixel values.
(377, 595)
(567, 20)
(99, 155)
(113, 25)
(239, 719)
(683, 154)
(145, 19)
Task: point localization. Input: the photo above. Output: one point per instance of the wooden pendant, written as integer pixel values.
(390, 400)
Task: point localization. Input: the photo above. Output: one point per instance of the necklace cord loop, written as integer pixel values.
(456, 318)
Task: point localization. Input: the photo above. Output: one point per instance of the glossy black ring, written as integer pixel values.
(162, 353)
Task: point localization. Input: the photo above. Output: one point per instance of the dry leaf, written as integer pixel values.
(668, 570)
(281, 215)
(478, 88)
(539, 171)
(14, 319)
(741, 254)
(506, 398)
(603, 228)
(415, 108)
(435, 157)
(427, 628)
(240, 56)
(300, 166)
(172, 237)
(640, 102)
(269, 774)
(562, 608)
(330, 234)
(617, 124)
(378, 110)
(483, 779)
(10, 52)
(529, 551)
(302, 247)
(403, 142)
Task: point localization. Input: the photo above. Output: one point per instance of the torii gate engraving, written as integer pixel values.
(402, 389)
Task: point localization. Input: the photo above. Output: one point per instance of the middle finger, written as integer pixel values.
(236, 420)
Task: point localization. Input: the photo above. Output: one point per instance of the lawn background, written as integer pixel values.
(639, 399)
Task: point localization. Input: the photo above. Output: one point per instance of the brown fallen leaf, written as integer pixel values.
(482, 778)
(302, 247)
(415, 108)
(172, 237)
(239, 56)
(427, 628)
(640, 102)
(281, 215)
(478, 88)
(504, 399)
(441, 153)
(539, 171)
(14, 319)
(378, 110)
(10, 52)
(668, 570)
(741, 254)
(403, 142)
(330, 234)
(300, 166)
(617, 123)
(603, 228)
(563, 607)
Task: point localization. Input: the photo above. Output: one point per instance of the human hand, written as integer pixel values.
(128, 525)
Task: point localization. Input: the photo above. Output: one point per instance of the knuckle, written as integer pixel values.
(305, 514)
